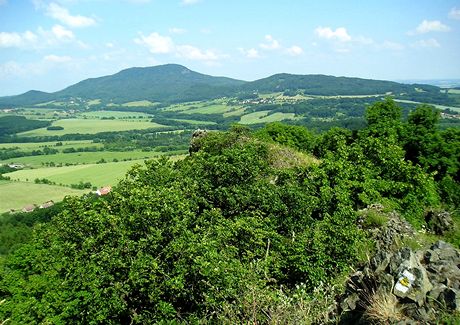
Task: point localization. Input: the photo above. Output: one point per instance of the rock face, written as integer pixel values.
(400, 285)
(195, 141)
(439, 222)
(422, 282)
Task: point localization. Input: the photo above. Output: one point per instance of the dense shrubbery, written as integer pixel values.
(195, 239)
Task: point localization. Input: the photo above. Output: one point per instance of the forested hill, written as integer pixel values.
(175, 83)
(317, 84)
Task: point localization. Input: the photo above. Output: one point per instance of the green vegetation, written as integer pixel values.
(251, 227)
(97, 174)
(16, 195)
(265, 117)
(16, 124)
(86, 126)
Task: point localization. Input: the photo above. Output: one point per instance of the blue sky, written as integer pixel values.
(48, 45)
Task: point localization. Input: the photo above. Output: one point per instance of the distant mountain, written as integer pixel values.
(164, 83)
(175, 83)
(329, 85)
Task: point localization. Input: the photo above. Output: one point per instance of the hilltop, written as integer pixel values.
(172, 83)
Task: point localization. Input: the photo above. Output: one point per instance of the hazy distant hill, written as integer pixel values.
(176, 83)
(330, 85)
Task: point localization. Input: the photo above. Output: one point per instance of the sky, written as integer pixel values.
(49, 45)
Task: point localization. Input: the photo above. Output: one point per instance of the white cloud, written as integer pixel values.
(250, 53)
(271, 43)
(427, 26)
(62, 14)
(393, 46)
(62, 33)
(189, 2)
(454, 13)
(156, 43)
(17, 39)
(340, 34)
(177, 30)
(193, 53)
(294, 50)
(57, 59)
(426, 43)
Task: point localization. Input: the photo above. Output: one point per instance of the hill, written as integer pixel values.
(164, 83)
(172, 83)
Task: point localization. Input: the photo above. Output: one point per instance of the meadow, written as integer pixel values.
(28, 146)
(84, 157)
(91, 126)
(263, 117)
(16, 195)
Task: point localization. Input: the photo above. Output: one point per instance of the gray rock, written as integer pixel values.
(451, 299)
(433, 295)
(439, 222)
(350, 303)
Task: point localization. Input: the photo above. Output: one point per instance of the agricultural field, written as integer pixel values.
(16, 195)
(263, 117)
(115, 115)
(91, 126)
(97, 174)
(29, 146)
(83, 157)
(139, 103)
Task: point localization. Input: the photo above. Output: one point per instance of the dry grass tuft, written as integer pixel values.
(383, 308)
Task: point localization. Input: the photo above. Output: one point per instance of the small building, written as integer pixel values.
(16, 166)
(29, 208)
(47, 204)
(104, 190)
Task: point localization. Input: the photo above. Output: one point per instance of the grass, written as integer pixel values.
(263, 117)
(98, 174)
(209, 109)
(91, 126)
(16, 195)
(83, 157)
(28, 146)
(94, 102)
(139, 103)
(116, 115)
(195, 122)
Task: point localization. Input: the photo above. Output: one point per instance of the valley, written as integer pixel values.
(70, 140)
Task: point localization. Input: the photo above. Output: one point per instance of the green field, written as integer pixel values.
(83, 157)
(27, 146)
(91, 126)
(98, 174)
(195, 122)
(16, 195)
(263, 117)
(209, 109)
(115, 115)
(139, 103)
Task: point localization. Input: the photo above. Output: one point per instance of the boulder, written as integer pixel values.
(439, 222)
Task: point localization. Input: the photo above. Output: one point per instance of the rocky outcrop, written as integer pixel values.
(197, 135)
(405, 286)
(439, 222)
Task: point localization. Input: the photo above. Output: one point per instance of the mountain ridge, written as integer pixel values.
(176, 83)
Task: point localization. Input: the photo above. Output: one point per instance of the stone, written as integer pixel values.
(433, 294)
(197, 135)
(451, 298)
(439, 222)
(350, 303)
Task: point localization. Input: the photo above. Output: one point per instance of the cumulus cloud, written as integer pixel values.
(271, 43)
(62, 33)
(340, 34)
(17, 39)
(250, 53)
(156, 43)
(426, 43)
(428, 26)
(193, 53)
(294, 50)
(454, 13)
(57, 59)
(62, 14)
